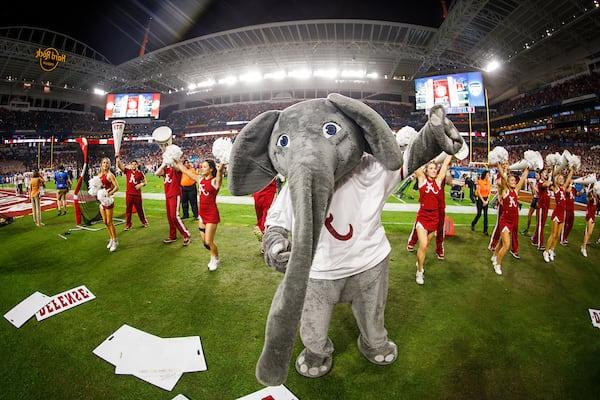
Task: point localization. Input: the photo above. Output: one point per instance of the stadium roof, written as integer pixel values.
(531, 39)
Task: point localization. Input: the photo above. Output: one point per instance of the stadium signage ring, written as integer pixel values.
(50, 58)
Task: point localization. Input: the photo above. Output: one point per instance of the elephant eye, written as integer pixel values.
(283, 141)
(330, 129)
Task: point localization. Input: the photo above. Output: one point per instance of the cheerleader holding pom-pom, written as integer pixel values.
(104, 194)
(593, 192)
(508, 197)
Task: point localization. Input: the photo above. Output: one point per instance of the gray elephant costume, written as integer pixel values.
(314, 144)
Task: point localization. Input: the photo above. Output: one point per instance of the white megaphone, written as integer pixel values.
(586, 180)
(118, 126)
(163, 135)
(519, 165)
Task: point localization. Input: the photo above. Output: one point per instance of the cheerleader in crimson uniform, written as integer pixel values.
(209, 182)
(429, 181)
(569, 215)
(558, 217)
(172, 187)
(541, 214)
(590, 218)
(508, 222)
(110, 184)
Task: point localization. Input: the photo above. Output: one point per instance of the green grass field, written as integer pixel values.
(466, 334)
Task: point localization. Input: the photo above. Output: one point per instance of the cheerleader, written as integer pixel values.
(541, 213)
(590, 218)
(559, 214)
(508, 222)
(209, 181)
(429, 181)
(110, 184)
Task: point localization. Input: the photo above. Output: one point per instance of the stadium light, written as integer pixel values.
(300, 73)
(373, 75)
(206, 83)
(252, 76)
(99, 92)
(353, 73)
(277, 75)
(191, 86)
(229, 80)
(492, 66)
(326, 73)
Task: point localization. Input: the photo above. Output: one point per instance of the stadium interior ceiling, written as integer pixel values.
(535, 42)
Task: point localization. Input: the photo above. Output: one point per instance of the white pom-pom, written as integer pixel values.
(498, 155)
(597, 188)
(574, 161)
(534, 158)
(104, 198)
(172, 154)
(552, 159)
(94, 185)
(221, 149)
(405, 135)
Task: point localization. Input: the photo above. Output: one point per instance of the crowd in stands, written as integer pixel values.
(552, 94)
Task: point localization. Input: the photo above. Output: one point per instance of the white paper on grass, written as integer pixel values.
(26, 309)
(275, 392)
(127, 337)
(180, 397)
(595, 315)
(179, 355)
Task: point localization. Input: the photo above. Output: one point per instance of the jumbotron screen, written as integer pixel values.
(132, 105)
(455, 92)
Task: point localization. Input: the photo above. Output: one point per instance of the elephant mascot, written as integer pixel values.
(314, 144)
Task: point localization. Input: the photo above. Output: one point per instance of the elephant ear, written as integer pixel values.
(250, 168)
(377, 133)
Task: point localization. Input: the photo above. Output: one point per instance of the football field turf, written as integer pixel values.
(467, 333)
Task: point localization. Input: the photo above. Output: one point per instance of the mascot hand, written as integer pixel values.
(276, 247)
(445, 133)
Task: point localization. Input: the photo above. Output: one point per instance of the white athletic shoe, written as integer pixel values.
(110, 243)
(420, 278)
(551, 254)
(584, 251)
(498, 269)
(114, 246)
(546, 256)
(213, 264)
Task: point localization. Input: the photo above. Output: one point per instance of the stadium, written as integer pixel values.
(92, 149)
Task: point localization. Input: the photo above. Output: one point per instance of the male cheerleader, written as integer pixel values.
(172, 186)
(133, 195)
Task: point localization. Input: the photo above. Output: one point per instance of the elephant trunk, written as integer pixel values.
(311, 194)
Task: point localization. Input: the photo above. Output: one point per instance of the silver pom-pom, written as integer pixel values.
(405, 135)
(94, 185)
(104, 198)
(172, 154)
(221, 149)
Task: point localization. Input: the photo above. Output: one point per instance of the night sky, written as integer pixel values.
(116, 28)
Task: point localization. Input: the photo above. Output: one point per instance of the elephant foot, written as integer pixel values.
(384, 355)
(312, 366)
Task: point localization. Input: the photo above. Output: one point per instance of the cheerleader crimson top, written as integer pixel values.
(544, 197)
(429, 199)
(106, 183)
(209, 213)
(561, 203)
(510, 211)
(592, 204)
(172, 182)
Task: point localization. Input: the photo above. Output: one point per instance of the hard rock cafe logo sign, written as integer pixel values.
(50, 58)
